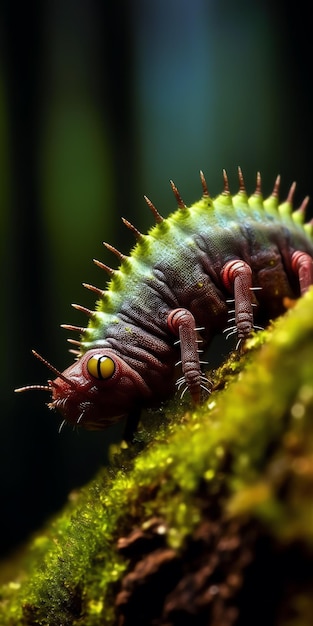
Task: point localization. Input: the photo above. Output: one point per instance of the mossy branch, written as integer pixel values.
(208, 518)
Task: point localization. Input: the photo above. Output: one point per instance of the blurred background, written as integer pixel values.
(101, 102)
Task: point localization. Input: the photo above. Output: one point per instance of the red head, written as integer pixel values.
(97, 390)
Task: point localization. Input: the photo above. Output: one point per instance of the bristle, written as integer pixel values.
(61, 426)
(83, 309)
(291, 193)
(75, 329)
(304, 204)
(275, 192)
(204, 185)
(96, 290)
(74, 342)
(258, 189)
(133, 228)
(298, 216)
(226, 183)
(117, 253)
(271, 203)
(177, 195)
(76, 352)
(285, 208)
(103, 266)
(158, 218)
(242, 187)
(31, 387)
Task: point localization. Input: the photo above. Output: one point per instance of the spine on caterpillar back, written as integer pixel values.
(170, 296)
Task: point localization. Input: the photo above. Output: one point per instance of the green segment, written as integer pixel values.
(166, 243)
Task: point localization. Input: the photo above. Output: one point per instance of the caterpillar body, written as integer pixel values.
(171, 295)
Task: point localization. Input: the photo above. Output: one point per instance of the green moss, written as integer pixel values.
(248, 450)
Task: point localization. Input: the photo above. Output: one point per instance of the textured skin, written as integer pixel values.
(177, 278)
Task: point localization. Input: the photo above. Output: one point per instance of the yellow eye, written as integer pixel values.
(101, 367)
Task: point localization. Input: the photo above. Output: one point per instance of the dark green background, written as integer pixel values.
(101, 102)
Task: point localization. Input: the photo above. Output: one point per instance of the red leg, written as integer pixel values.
(302, 265)
(182, 323)
(237, 277)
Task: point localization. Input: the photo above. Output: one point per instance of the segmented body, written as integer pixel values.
(171, 296)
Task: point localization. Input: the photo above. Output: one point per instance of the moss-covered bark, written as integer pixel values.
(207, 519)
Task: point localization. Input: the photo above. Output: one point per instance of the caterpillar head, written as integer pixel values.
(97, 390)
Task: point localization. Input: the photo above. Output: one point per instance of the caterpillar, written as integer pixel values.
(221, 265)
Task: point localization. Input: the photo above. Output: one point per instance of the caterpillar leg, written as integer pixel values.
(302, 265)
(237, 278)
(182, 324)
